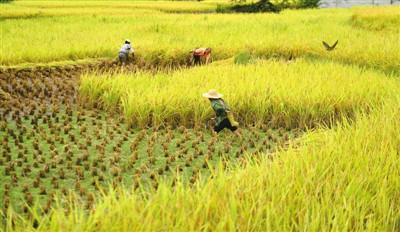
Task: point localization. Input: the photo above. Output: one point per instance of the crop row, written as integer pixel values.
(298, 94)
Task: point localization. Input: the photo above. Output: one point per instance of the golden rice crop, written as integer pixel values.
(377, 19)
(338, 178)
(298, 94)
(160, 37)
(32, 9)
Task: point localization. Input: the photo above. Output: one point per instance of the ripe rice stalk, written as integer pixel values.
(264, 92)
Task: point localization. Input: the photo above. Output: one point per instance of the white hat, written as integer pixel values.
(212, 94)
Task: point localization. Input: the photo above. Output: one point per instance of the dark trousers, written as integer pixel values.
(197, 59)
(123, 57)
(224, 124)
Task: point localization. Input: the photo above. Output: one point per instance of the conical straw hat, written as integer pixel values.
(212, 94)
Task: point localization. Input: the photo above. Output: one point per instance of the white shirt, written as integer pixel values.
(126, 48)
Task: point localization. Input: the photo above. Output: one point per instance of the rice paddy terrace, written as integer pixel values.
(51, 142)
(93, 146)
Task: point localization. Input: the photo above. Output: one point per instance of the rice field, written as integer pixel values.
(167, 38)
(46, 153)
(87, 145)
(296, 94)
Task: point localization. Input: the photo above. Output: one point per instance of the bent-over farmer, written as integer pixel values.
(200, 53)
(223, 113)
(124, 52)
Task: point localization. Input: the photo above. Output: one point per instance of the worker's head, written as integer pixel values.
(127, 41)
(208, 50)
(212, 94)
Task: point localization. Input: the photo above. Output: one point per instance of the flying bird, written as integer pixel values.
(328, 47)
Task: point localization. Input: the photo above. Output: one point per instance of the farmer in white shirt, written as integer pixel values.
(124, 52)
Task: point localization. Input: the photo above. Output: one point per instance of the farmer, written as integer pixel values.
(199, 53)
(224, 116)
(124, 52)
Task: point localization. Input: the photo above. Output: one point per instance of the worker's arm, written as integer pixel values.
(208, 56)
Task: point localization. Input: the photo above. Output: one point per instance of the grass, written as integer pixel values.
(290, 95)
(161, 37)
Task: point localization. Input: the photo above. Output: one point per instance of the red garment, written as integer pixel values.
(200, 52)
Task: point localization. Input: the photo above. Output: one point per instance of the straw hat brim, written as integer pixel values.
(207, 95)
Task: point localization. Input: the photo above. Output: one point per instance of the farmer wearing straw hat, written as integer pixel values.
(224, 116)
(198, 53)
(124, 52)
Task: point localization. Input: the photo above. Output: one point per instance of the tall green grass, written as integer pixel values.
(161, 37)
(342, 179)
(299, 94)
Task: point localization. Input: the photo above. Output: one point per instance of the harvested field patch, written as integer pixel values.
(57, 151)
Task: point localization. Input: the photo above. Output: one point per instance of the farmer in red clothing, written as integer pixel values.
(200, 53)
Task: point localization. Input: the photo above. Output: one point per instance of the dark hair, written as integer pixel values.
(127, 42)
(208, 50)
